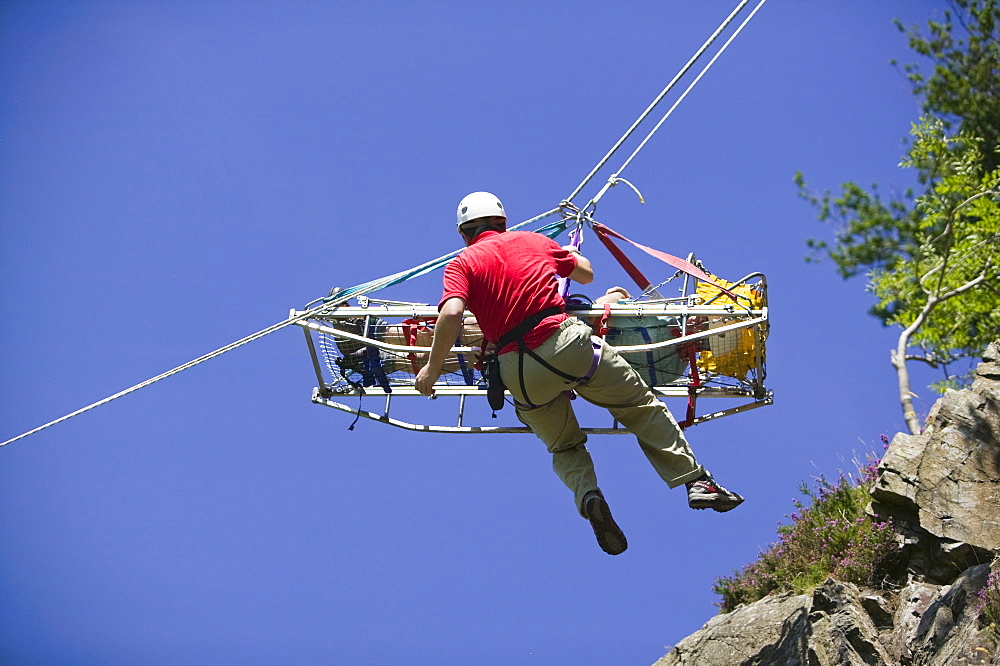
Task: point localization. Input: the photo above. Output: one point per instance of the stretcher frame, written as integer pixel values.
(333, 391)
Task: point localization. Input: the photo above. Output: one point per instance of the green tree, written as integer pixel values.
(945, 296)
(964, 86)
(933, 259)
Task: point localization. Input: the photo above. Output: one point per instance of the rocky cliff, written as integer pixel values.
(941, 490)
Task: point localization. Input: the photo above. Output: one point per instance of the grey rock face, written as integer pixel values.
(941, 490)
(948, 631)
(772, 630)
(829, 626)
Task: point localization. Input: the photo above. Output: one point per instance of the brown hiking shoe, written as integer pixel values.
(609, 536)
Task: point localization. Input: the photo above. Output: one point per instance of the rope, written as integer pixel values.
(614, 179)
(552, 229)
(659, 98)
(180, 368)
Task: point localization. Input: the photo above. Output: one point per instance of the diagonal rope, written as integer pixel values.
(614, 178)
(659, 98)
(552, 229)
(169, 373)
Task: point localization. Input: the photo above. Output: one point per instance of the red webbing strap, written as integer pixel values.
(603, 231)
(626, 263)
(410, 327)
(602, 323)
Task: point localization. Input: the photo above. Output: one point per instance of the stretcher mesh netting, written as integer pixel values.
(353, 363)
(733, 357)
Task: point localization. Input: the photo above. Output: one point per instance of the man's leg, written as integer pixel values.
(618, 388)
(551, 415)
(555, 424)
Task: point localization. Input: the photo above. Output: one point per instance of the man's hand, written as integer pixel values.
(426, 378)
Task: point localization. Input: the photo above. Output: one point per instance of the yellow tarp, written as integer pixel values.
(731, 354)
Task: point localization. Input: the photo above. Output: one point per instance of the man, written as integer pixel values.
(508, 281)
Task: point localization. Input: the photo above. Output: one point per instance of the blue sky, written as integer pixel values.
(177, 175)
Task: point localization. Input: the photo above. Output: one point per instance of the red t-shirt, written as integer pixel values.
(504, 277)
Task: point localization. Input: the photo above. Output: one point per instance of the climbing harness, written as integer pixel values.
(516, 336)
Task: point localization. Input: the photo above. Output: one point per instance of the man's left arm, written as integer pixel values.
(446, 331)
(584, 272)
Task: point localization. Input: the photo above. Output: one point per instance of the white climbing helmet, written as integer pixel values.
(479, 204)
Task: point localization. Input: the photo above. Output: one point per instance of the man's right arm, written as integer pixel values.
(446, 331)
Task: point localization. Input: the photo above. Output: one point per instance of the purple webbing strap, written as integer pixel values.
(575, 238)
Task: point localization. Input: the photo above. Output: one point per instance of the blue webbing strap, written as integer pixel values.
(650, 361)
(374, 372)
(463, 366)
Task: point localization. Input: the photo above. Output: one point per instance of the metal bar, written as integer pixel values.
(315, 357)
(329, 330)
(624, 349)
(628, 349)
(767, 400)
(457, 390)
(656, 307)
(384, 418)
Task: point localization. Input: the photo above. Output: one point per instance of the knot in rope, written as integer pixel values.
(614, 180)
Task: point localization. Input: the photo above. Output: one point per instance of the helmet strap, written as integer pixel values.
(472, 232)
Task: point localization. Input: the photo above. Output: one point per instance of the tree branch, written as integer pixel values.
(941, 266)
(950, 226)
(964, 288)
(926, 358)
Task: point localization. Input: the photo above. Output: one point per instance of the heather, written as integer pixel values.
(989, 605)
(829, 535)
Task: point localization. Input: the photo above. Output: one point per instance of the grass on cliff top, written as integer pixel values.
(829, 535)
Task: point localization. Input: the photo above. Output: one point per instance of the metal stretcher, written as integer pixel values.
(706, 343)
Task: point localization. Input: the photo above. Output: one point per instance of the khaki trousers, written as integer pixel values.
(614, 386)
